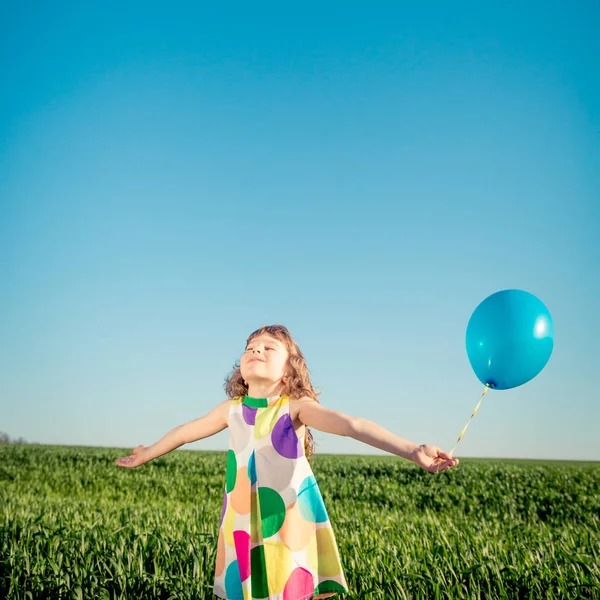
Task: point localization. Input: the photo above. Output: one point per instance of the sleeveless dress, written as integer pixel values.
(275, 541)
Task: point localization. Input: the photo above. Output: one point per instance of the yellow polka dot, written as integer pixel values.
(228, 523)
(277, 554)
(323, 555)
(265, 421)
(285, 399)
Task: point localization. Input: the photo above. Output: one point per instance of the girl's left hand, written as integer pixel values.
(431, 458)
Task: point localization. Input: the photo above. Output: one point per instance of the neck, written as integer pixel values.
(264, 389)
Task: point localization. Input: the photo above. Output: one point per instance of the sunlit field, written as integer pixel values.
(74, 525)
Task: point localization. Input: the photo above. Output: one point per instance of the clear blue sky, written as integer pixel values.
(174, 176)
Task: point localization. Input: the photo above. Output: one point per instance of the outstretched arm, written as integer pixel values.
(198, 429)
(429, 457)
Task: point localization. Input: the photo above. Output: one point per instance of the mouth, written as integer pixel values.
(256, 360)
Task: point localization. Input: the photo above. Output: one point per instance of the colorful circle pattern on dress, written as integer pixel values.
(228, 523)
(284, 438)
(231, 471)
(273, 470)
(240, 441)
(252, 469)
(255, 524)
(277, 554)
(233, 583)
(311, 502)
(240, 496)
(272, 511)
(258, 574)
(224, 505)
(329, 585)
(249, 414)
(299, 585)
(322, 553)
(296, 531)
(242, 550)
(220, 563)
(263, 423)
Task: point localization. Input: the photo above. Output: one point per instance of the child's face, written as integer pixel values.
(264, 360)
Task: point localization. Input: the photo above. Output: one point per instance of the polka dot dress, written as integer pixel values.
(275, 538)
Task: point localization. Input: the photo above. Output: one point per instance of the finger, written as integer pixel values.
(438, 466)
(450, 463)
(433, 451)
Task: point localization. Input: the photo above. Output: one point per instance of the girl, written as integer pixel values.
(276, 541)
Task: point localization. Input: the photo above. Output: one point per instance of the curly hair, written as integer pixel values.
(297, 382)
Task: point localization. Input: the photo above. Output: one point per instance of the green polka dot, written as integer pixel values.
(329, 586)
(272, 511)
(231, 471)
(258, 573)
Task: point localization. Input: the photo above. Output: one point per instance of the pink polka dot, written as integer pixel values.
(299, 584)
(241, 539)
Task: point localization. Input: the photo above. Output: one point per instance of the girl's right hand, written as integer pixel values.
(432, 459)
(135, 459)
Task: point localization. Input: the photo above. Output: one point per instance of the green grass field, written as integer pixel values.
(74, 525)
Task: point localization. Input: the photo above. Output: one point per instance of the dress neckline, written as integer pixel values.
(259, 402)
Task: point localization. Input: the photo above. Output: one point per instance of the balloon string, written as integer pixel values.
(487, 387)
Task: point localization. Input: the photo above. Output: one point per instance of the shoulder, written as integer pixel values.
(224, 408)
(303, 399)
(224, 405)
(296, 405)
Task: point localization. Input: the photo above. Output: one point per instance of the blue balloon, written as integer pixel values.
(510, 337)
